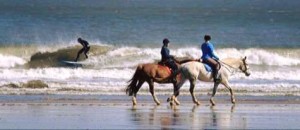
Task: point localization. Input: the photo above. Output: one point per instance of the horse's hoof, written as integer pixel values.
(197, 103)
(177, 102)
(169, 99)
(171, 103)
(233, 101)
(134, 103)
(212, 102)
(158, 103)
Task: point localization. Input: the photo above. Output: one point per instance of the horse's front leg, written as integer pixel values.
(216, 84)
(151, 88)
(134, 99)
(192, 86)
(173, 99)
(176, 92)
(226, 84)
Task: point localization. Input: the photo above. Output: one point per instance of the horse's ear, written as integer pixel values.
(245, 58)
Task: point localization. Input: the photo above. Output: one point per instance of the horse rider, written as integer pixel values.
(168, 59)
(85, 48)
(209, 57)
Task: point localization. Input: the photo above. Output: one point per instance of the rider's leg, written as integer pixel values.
(174, 68)
(215, 66)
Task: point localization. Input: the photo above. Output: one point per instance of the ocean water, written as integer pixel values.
(37, 35)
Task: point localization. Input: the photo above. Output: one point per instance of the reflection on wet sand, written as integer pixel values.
(180, 117)
(225, 119)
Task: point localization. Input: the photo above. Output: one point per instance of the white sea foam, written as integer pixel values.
(118, 88)
(8, 61)
(115, 80)
(131, 56)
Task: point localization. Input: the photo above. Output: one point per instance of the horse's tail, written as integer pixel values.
(132, 87)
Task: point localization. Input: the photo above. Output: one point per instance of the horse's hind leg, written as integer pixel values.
(192, 86)
(216, 84)
(176, 92)
(226, 84)
(173, 98)
(139, 85)
(151, 87)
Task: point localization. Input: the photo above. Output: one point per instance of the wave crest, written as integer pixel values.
(7, 61)
(54, 59)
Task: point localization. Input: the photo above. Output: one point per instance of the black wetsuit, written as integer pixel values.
(85, 49)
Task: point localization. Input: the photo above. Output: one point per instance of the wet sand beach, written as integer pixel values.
(117, 112)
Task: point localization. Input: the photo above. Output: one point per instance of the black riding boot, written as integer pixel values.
(173, 76)
(216, 76)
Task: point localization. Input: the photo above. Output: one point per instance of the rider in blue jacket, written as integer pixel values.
(168, 59)
(209, 57)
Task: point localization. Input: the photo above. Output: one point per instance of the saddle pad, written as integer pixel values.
(208, 68)
(166, 68)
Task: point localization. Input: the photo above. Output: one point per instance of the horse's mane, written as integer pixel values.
(186, 60)
(180, 61)
(230, 60)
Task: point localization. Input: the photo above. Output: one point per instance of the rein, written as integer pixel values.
(229, 68)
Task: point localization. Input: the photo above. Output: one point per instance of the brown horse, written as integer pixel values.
(150, 73)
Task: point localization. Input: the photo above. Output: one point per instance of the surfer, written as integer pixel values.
(85, 48)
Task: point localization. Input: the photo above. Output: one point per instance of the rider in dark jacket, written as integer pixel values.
(209, 57)
(168, 59)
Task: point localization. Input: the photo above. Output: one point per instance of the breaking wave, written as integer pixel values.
(107, 70)
(8, 61)
(102, 56)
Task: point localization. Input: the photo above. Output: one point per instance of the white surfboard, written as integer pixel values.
(73, 63)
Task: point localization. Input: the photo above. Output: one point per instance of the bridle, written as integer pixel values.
(232, 69)
(245, 66)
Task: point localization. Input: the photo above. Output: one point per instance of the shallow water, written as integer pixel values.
(119, 116)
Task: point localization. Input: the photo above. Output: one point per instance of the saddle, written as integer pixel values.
(207, 67)
(164, 66)
(161, 63)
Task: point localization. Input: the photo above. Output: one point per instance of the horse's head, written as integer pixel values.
(244, 67)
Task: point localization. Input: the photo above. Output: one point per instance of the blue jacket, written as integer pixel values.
(165, 54)
(208, 51)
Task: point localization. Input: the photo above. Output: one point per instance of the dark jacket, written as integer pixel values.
(165, 54)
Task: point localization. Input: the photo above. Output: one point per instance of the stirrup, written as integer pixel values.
(174, 80)
(217, 80)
